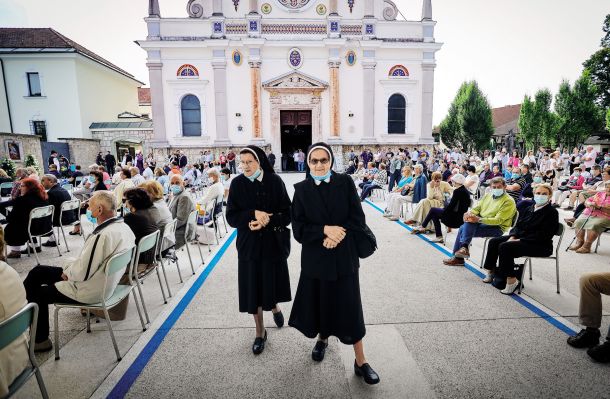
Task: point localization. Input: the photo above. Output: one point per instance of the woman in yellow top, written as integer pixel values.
(437, 191)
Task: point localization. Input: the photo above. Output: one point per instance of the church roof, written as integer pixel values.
(13, 39)
(506, 119)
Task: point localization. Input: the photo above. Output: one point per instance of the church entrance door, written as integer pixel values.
(296, 126)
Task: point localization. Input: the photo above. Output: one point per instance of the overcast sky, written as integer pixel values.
(510, 47)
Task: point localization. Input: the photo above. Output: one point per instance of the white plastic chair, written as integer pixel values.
(117, 264)
(68, 206)
(191, 231)
(168, 231)
(6, 186)
(41, 213)
(13, 328)
(147, 243)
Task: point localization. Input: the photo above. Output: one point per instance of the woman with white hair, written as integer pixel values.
(181, 207)
(215, 192)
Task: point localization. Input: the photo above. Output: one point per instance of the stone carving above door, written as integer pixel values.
(295, 80)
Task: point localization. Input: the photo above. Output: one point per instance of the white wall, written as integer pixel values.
(59, 104)
(103, 94)
(5, 125)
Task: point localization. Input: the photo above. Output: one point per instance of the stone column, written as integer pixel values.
(369, 8)
(332, 7)
(368, 101)
(335, 117)
(253, 6)
(219, 65)
(155, 76)
(217, 7)
(255, 90)
(427, 102)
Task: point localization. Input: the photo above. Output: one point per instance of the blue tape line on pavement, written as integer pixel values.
(533, 308)
(132, 373)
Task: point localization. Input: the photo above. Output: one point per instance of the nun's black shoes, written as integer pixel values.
(366, 371)
(259, 344)
(317, 354)
(279, 319)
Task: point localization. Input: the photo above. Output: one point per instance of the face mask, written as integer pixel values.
(320, 178)
(515, 175)
(497, 192)
(90, 217)
(176, 189)
(537, 179)
(223, 178)
(541, 199)
(255, 175)
(576, 174)
(606, 158)
(91, 179)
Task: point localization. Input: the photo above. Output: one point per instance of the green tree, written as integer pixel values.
(31, 161)
(468, 123)
(578, 115)
(606, 28)
(598, 66)
(9, 167)
(608, 119)
(526, 132)
(537, 123)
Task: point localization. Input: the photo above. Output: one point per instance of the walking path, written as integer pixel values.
(432, 331)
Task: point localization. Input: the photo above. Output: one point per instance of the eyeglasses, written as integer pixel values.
(247, 163)
(322, 161)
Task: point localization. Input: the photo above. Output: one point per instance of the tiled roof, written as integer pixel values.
(48, 38)
(121, 125)
(144, 95)
(503, 115)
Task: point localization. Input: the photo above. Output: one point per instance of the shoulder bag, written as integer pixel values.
(366, 242)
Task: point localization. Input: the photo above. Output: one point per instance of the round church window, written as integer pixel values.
(295, 58)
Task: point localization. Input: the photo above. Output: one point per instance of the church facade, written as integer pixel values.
(285, 73)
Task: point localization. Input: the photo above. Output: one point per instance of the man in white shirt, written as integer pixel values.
(136, 177)
(147, 174)
(83, 279)
(589, 157)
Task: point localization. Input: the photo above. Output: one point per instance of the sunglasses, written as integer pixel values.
(323, 161)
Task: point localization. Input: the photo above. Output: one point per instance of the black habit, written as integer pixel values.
(263, 279)
(328, 301)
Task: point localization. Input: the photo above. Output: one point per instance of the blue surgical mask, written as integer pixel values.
(541, 199)
(320, 178)
(576, 174)
(176, 189)
(497, 192)
(537, 179)
(90, 217)
(515, 175)
(223, 178)
(91, 179)
(255, 175)
(606, 158)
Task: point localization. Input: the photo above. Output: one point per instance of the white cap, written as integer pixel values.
(458, 179)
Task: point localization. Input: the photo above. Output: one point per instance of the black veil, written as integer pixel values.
(261, 156)
(319, 145)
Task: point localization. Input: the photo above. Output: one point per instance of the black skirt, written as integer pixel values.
(329, 308)
(262, 284)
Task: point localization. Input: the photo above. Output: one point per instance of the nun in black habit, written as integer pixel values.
(326, 215)
(259, 208)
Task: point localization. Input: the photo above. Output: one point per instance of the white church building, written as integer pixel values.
(286, 73)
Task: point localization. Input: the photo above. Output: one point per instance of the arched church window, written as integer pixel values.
(398, 71)
(397, 110)
(191, 116)
(187, 71)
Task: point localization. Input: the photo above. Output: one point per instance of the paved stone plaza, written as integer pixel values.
(432, 331)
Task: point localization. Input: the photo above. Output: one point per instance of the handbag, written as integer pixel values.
(282, 238)
(405, 191)
(366, 242)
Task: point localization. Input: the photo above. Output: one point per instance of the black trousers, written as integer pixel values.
(501, 255)
(40, 289)
(434, 215)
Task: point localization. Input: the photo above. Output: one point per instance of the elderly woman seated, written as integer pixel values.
(593, 221)
(420, 185)
(399, 194)
(215, 192)
(452, 214)
(437, 192)
(160, 212)
(180, 206)
(531, 236)
(380, 179)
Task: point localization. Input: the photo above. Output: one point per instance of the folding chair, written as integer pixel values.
(5, 189)
(168, 231)
(191, 231)
(147, 243)
(117, 264)
(78, 180)
(68, 187)
(528, 260)
(13, 328)
(599, 238)
(69, 206)
(39, 229)
(514, 222)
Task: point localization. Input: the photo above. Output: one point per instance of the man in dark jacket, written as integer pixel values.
(182, 160)
(57, 196)
(110, 161)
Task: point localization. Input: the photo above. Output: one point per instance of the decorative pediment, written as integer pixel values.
(295, 80)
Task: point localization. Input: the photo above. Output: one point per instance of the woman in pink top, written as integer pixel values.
(593, 221)
(514, 161)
